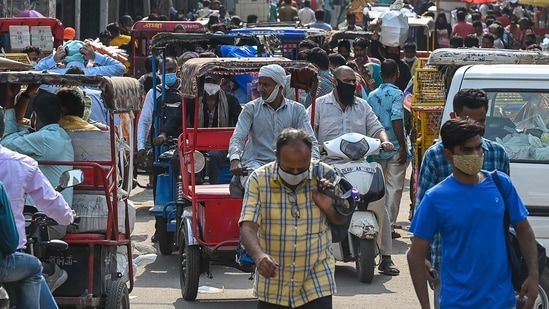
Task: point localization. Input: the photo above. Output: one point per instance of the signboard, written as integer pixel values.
(41, 36)
(19, 37)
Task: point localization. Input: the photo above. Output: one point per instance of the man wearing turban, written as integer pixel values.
(262, 120)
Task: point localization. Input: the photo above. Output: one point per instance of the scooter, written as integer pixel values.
(347, 155)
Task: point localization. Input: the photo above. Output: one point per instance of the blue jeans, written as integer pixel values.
(21, 274)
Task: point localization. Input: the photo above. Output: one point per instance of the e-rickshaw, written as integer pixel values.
(142, 33)
(96, 278)
(167, 198)
(208, 231)
(54, 24)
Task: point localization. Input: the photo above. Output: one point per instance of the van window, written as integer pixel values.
(519, 120)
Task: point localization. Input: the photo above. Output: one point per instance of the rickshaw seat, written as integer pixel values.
(204, 192)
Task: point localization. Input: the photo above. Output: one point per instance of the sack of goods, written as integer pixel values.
(394, 28)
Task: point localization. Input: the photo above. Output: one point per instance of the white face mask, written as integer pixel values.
(292, 179)
(211, 89)
(34, 63)
(273, 95)
(410, 59)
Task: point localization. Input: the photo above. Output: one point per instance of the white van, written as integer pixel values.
(518, 118)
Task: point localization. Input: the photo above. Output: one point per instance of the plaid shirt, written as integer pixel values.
(435, 168)
(325, 85)
(301, 246)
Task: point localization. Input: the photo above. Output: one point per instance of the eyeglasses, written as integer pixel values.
(293, 199)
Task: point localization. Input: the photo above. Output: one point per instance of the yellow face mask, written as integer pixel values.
(469, 164)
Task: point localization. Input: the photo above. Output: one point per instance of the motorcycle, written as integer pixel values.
(347, 155)
(36, 222)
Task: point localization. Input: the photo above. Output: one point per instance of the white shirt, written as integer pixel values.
(145, 118)
(21, 175)
(331, 121)
(306, 15)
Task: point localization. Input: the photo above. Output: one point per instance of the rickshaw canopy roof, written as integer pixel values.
(269, 41)
(162, 26)
(465, 56)
(54, 23)
(336, 35)
(120, 94)
(8, 64)
(283, 32)
(199, 67)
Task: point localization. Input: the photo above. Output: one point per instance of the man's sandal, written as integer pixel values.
(387, 267)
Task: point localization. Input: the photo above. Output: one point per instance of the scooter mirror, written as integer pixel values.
(70, 178)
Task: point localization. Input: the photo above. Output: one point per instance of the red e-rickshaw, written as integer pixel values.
(96, 278)
(208, 232)
(142, 33)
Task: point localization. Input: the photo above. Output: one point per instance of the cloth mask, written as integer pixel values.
(292, 179)
(211, 89)
(346, 93)
(469, 164)
(410, 59)
(170, 79)
(273, 95)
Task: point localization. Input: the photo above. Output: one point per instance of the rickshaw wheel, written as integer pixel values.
(189, 266)
(118, 297)
(165, 238)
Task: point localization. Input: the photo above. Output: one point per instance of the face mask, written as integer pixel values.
(292, 179)
(34, 63)
(170, 79)
(273, 95)
(211, 89)
(410, 59)
(469, 164)
(346, 93)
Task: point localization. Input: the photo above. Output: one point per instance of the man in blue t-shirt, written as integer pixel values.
(467, 210)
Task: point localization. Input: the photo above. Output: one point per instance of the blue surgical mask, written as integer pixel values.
(170, 79)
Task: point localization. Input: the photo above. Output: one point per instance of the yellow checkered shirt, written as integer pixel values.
(301, 246)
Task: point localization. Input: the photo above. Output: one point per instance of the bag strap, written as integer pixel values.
(342, 183)
(497, 181)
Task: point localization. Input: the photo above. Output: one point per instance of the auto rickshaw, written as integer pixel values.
(96, 278)
(208, 232)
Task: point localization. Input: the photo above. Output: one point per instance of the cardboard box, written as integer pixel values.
(41, 36)
(93, 212)
(19, 37)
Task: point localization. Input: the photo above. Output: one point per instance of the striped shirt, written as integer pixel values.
(435, 168)
(301, 246)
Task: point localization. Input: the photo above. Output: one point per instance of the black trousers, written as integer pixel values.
(319, 303)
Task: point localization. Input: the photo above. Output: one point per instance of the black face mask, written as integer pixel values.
(345, 93)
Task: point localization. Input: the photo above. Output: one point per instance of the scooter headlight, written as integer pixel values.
(354, 150)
